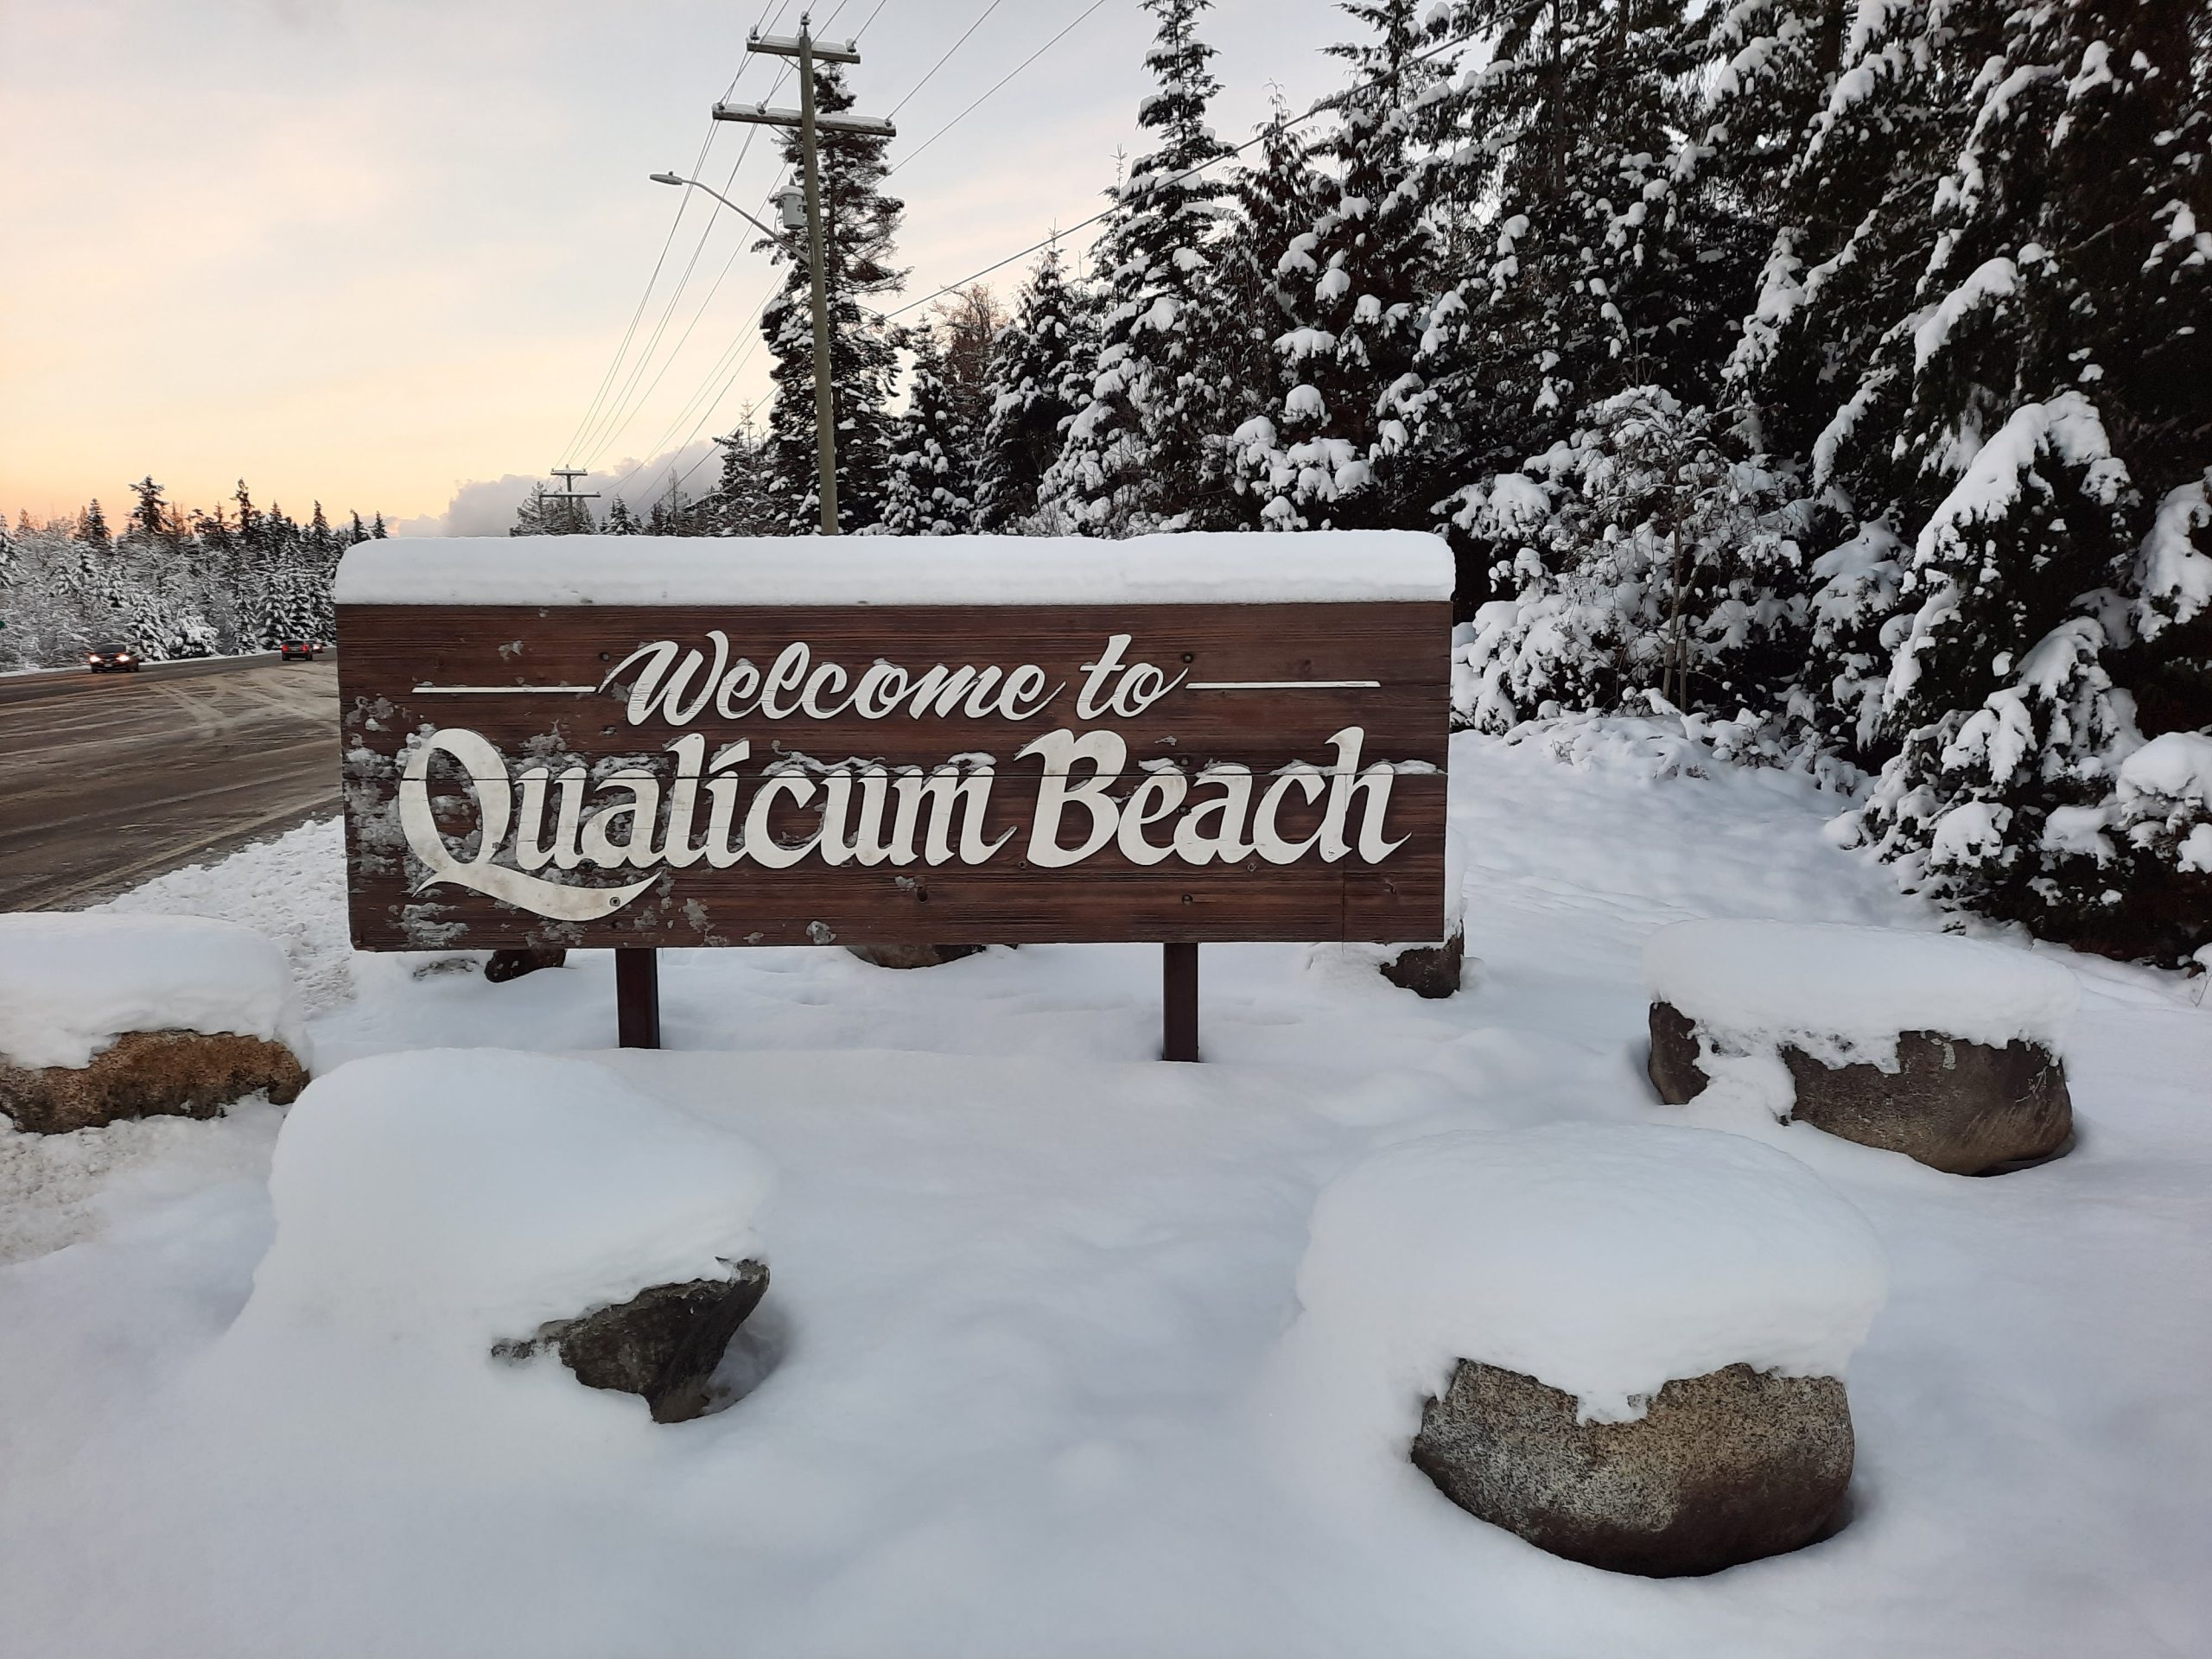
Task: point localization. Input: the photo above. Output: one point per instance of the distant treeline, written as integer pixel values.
(172, 581)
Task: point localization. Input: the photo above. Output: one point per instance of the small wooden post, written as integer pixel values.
(1179, 1002)
(637, 997)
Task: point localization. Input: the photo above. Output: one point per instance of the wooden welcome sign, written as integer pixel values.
(641, 741)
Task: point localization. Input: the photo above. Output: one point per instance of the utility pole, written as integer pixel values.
(568, 491)
(805, 47)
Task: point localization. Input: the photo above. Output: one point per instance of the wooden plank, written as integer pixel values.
(390, 651)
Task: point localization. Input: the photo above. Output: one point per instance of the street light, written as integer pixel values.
(781, 238)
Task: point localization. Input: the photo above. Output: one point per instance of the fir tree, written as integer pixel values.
(1135, 450)
(928, 491)
(1346, 447)
(149, 515)
(860, 225)
(533, 517)
(745, 502)
(1603, 272)
(1032, 370)
(968, 324)
(621, 521)
(377, 531)
(91, 526)
(1262, 274)
(2056, 393)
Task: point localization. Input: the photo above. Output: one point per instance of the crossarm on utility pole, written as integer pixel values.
(764, 115)
(802, 45)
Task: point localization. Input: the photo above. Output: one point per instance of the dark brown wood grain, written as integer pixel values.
(392, 651)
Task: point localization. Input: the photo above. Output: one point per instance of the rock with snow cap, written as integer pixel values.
(111, 1016)
(1631, 1338)
(1944, 1049)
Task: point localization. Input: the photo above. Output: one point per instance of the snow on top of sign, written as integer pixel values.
(1195, 568)
(463, 1196)
(1606, 1260)
(70, 983)
(1842, 993)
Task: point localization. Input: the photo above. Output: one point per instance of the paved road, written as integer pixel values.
(106, 779)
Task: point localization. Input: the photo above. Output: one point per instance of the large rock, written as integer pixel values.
(1963, 1107)
(1721, 1469)
(663, 1344)
(150, 1074)
(1429, 970)
(911, 955)
(504, 965)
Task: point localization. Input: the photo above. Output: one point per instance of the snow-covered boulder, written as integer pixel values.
(1630, 1340)
(105, 1016)
(453, 1204)
(1945, 1049)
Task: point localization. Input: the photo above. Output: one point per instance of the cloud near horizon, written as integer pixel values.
(486, 507)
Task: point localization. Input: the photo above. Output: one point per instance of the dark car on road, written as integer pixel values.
(111, 659)
(306, 649)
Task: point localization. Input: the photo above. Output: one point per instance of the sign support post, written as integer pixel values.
(637, 997)
(1179, 1002)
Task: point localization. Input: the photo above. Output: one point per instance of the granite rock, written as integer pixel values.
(150, 1074)
(1721, 1469)
(1970, 1108)
(663, 1344)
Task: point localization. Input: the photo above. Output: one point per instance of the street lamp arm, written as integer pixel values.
(780, 239)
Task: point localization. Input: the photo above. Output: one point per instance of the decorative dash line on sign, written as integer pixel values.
(501, 690)
(1285, 685)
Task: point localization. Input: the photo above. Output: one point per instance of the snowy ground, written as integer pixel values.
(1029, 1286)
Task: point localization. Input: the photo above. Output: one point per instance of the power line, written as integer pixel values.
(615, 424)
(615, 364)
(747, 333)
(1328, 103)
(947, 58)
(600, 434)
(995, 85)
(629, 408)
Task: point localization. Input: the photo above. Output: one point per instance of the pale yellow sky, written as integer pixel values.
(381, 251)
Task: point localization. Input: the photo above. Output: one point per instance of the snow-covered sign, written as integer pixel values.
(575, 740)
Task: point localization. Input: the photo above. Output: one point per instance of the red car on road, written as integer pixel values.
(306, 649)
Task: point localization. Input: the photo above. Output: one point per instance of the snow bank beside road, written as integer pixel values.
(70, 983)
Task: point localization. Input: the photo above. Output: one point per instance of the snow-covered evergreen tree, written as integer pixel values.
(1646, 563)
(533, 514)
(1349, 446)
(745, 502)
(621, 521)
(1257, 294)
(1033, 372)
(2056, 390)
(1135, 455)
(860, 223)
(928, 490)
(1603, 269)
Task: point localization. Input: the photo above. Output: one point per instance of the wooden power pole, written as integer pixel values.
(568, 491)
(805, 47)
